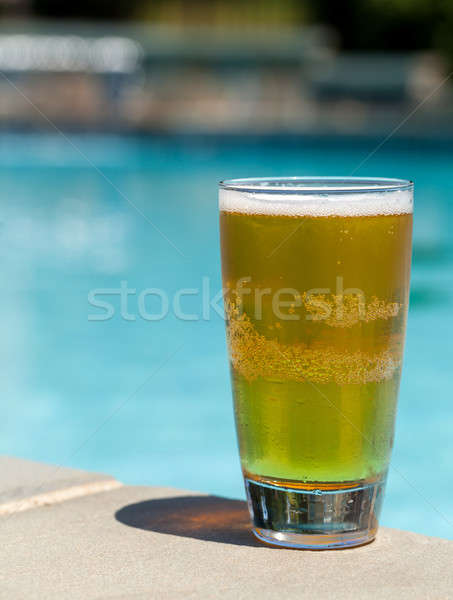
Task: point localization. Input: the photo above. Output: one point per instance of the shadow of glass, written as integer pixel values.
(208, 518)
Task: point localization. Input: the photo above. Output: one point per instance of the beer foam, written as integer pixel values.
(329, 204)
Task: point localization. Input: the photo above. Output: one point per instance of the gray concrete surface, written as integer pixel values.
(21, 479)
(150, 542)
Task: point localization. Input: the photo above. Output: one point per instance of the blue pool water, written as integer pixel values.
(149, 401)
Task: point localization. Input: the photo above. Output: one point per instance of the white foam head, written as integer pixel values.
(348, 197)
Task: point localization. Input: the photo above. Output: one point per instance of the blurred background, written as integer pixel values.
(294, 66)
(116, 122)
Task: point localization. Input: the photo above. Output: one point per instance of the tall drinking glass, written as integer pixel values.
(316, 280)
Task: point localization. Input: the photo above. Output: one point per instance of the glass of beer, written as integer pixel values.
(316, 288)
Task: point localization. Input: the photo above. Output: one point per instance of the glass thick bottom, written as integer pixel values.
(325, 516)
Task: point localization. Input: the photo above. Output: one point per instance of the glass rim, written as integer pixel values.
(306, 185)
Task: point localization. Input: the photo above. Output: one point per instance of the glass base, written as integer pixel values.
(312, 541)
(319, 518)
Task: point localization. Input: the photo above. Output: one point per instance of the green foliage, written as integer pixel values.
(361, 24)
(390, 24)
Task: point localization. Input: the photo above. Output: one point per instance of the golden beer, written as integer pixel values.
(316, 295)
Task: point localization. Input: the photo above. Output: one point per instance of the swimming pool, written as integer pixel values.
(149, 400)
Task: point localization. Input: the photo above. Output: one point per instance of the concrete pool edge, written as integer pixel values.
(141, 542)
